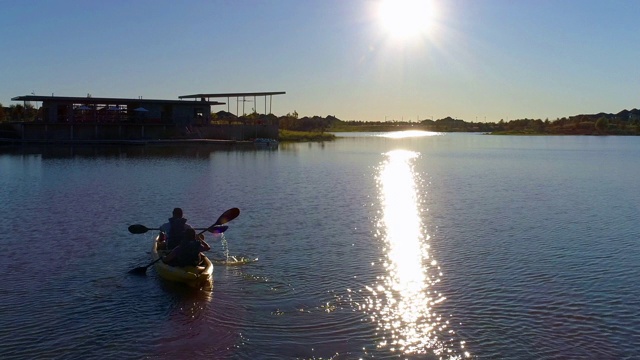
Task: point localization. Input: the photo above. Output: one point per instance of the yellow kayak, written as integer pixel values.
(199, 277)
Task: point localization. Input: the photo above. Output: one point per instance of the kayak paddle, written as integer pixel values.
(226, 217)
(141, 229)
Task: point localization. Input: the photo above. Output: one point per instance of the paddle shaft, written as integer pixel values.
(141, 229)
(153, 262)
(223, 219)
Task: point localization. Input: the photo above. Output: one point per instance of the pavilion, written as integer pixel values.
(89, 118)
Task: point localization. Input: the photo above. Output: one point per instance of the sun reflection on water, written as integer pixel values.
(402, 302)
(408, 134)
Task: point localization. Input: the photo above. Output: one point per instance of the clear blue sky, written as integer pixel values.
(472, 59)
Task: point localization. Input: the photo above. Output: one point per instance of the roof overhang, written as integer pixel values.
(228, 95)
(103, 100)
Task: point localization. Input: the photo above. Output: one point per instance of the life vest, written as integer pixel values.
(176, 232)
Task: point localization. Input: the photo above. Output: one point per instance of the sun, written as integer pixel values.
(405, 19)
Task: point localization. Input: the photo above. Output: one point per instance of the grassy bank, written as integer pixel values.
(301, 136)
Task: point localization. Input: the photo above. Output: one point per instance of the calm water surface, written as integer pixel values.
(402, 246)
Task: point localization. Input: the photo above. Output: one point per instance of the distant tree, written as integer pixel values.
(222, 116)
(30, 112)
(22, 113)
(16, 112)
(249, 118)
(293, 115)
(602, 124)
(288, 122)
(3, 116)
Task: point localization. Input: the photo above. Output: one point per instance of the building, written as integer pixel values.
(96, 119)
(58, 109)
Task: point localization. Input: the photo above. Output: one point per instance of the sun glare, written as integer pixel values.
(404, 19)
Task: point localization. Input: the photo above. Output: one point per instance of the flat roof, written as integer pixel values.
(223, 95)
(103, 100)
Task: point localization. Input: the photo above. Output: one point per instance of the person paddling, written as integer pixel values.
(188, 252)
(174, 230)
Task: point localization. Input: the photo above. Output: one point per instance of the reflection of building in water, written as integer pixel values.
(92, 118)
(173, 149)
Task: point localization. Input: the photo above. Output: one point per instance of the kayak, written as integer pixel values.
(199, 277)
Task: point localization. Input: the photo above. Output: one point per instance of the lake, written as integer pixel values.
(390, 246)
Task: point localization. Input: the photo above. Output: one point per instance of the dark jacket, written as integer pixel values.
(188, 253)
(176, 232)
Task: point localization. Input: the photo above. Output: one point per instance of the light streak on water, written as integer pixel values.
(408, 134)
(402, 302)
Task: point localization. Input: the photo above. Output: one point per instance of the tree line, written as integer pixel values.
(290, 121)
(626, 122)
(18, 112)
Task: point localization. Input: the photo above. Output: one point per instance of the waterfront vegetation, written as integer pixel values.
(300, 136)
(292, 127)
(626, 122)
(315, 128)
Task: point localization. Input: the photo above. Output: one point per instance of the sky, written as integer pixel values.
(366, 60)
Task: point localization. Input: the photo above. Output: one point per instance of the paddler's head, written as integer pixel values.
(189, 235)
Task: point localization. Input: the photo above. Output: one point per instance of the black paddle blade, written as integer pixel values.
(140, 270)
(227, 216)
(138, 229)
